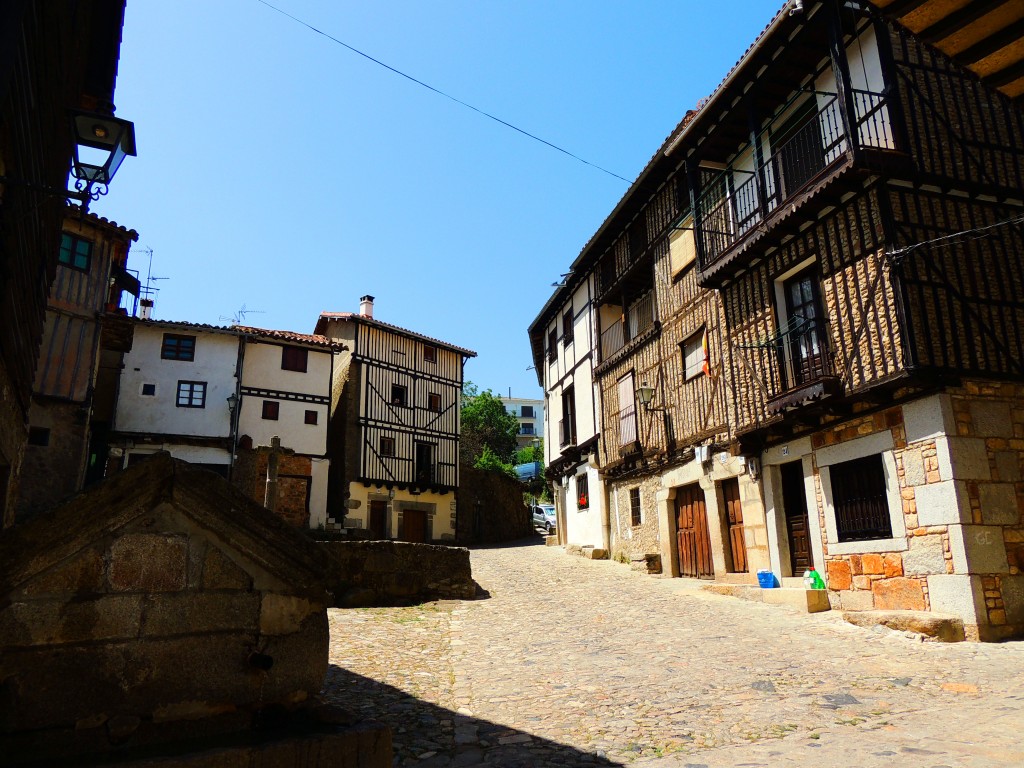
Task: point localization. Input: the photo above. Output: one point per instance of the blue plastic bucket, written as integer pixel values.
(766, 579)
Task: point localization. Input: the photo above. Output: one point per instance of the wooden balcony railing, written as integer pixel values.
(638, 318)
(736, 201)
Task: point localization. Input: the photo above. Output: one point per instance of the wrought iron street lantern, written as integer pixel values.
(101, 143)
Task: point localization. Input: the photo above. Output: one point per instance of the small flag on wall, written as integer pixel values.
(707, 361)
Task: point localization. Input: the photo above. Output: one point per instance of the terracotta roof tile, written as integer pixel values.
(356, 317)
(298, 338)
(75, 210)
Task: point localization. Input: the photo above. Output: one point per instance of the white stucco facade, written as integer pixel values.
(167, 401)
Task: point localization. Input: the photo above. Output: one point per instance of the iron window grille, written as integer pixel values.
(634, 506)
(859, 499)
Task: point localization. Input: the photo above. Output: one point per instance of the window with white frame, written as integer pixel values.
(191, 394)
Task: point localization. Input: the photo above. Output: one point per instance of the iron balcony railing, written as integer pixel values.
(638, 318)
(795, 358)
(738, 199)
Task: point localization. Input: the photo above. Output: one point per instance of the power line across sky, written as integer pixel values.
(278, 170)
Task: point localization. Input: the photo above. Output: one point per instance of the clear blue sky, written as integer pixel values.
(280, 171)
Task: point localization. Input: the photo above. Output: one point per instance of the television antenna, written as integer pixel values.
(148, 291)
(238, 318)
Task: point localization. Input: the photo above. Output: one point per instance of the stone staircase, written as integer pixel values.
(791, 593)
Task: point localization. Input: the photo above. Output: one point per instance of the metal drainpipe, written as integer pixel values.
(233, 432)
(606, 516)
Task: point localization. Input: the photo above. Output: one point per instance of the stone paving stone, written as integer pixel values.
(580, 662)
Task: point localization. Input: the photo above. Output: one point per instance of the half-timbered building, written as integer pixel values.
(674, 491)
(563, 341)
(56, 56)
(816, 284)
(71, 402)
(394, 431)
(856, 199)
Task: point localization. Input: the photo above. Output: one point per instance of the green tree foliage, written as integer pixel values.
(486, 424)
(537, 488)
(489, 461)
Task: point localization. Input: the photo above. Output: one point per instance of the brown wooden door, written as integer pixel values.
(794, 503)
(734, 516)
(379, 519)
(692, 533)
(415, 525)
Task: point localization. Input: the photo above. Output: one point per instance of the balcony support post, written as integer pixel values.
(891, 90)
(759, 166)
(693, 183)
(841, 70)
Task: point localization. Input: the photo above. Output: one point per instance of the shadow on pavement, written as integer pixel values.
(430, 736)
(536, 540)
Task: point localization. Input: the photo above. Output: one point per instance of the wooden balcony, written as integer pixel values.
(741, 206)
(638, 319)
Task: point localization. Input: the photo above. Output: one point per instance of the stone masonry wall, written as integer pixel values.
(126, 641)
(378, 573)
(628, 540)
(962, 504)
(490, 508)
(294, 477)
(51, 473)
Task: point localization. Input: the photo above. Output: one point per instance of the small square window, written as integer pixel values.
(434, 402)
(39, 436)
(294, 359)
(634, 506)
(312, 417)
(429, 354)
(695, 355)
(191, 394)
(75, 252)
(271, 410)
(149, 390)
(527, 412)
(387, 446)
(177, 347)
(399, 395)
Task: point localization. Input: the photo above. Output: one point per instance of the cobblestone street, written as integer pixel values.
(577, 662)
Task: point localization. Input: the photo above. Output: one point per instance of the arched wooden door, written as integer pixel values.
(692, 533)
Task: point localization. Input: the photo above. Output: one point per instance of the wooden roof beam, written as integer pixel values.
(957, 20)
(991, 44)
